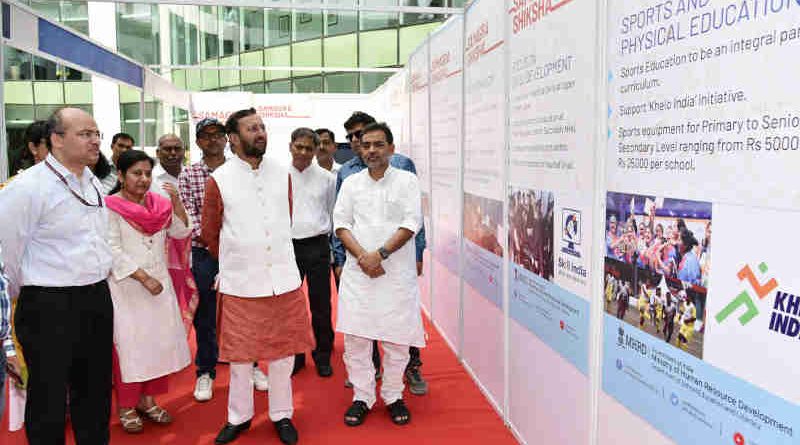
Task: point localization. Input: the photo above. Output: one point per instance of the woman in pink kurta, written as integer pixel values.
(150, 337)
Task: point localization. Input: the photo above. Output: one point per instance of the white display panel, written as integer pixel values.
(419, 150)
(484, 170)
(446, 130)
(702, 130)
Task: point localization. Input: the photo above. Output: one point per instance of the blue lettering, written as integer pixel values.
(793, 305)
(780, 299)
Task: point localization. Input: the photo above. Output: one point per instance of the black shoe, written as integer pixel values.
(324, 370)
(286, 431)
(299, 363)
(230, 432)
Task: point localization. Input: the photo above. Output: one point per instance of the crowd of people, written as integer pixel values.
(664, 308)
(112, 264)
(531, 231)
(666, 246)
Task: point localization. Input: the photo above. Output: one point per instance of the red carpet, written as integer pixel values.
(454, 411)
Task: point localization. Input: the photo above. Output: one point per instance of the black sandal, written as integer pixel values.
(399, 413)
(355, 415)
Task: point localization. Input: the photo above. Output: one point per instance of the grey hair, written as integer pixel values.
(304, 132)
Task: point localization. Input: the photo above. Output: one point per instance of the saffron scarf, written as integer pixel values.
(156, 215)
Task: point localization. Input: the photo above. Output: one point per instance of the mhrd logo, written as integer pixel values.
(744, 299)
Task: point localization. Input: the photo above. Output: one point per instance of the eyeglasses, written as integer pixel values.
(355, 134)
(86, 134)
(210, 136)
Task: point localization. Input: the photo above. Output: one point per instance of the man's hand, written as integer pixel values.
(337, 270)
(419, 268)
(14, 369)
(153, 286)
(371, 264)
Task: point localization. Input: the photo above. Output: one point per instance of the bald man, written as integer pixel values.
(57, 256)
(170, 153)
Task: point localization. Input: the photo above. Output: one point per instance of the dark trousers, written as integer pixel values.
(205, 268)
(313, 261)
(67, 336)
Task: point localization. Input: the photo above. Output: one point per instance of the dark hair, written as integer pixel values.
(127, 160)
(34, 134)
(321, 131)
(358, 117)
(55, 125)
(232, 124)
(118, 136)
(304, 132)
(380, 126)
(102, 168)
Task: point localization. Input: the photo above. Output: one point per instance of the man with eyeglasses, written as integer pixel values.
(376, 216)
(355, 125)
(263, 312)
(192, 187)
(57, 255)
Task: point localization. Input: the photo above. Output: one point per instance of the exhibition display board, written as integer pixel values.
(446, 80)
(483, 242)
(592, 144)
(703, 127)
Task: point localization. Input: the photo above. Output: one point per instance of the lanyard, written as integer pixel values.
(74, 193)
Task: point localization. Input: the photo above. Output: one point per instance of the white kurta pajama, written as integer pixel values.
(261, 311)
(149, 334)
(386, 308)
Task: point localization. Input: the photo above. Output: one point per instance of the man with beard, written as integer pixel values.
(355, 125)
(376, 216)
(261, 313)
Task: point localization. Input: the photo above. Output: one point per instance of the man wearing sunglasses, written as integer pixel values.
(57, 255)
(354, 126)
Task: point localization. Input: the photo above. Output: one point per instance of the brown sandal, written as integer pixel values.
(131, 422)
(156, 414)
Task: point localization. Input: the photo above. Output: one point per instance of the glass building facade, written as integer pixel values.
(217, 36)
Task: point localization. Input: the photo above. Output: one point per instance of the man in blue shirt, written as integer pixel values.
(357, 121)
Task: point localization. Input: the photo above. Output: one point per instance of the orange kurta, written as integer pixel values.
(252, 329)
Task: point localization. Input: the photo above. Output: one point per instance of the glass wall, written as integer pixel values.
(232, 36)
(138, 32)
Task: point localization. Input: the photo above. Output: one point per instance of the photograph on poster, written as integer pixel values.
(530, 236)
(658, 259)
(483, 222)
(664, 307)
(671, 237)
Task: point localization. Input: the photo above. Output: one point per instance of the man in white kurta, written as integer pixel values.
(378, 211)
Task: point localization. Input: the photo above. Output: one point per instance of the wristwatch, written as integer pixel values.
(384, 253)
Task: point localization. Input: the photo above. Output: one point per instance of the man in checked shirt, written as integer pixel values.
(192, 185)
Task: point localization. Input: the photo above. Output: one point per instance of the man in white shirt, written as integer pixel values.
(170, 154)
(327, 148)
(376, 215)
(56, 251)
(314, 191)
